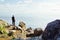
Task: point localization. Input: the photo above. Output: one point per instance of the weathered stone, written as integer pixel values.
(34, 33)
(11, 27)
(23, 27)
(52, 30)
(17, 34)
(38, 31)
(29, 32)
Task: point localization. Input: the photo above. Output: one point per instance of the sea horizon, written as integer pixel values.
(29, 21)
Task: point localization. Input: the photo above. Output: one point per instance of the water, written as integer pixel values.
(30, 21)
(32, 38)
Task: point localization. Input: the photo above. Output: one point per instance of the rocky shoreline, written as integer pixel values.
(9, 31)
(12, 32)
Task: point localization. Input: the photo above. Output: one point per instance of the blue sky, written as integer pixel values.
(34, 12)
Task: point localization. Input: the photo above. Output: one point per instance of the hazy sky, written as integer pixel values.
(40, 12)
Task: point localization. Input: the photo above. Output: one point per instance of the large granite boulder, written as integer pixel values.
(52, 31)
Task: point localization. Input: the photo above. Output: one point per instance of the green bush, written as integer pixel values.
(2, 29)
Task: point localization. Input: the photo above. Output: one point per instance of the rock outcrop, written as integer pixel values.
(29, 32)
(23, 27)
(34, 33)
(52, 31)
(38, 31)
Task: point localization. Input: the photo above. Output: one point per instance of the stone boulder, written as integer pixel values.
(52, 31)
(38, 32)
(23, 27)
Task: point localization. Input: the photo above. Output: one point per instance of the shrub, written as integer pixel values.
(2, 29)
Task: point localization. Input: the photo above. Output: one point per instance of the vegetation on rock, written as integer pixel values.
(2, 29)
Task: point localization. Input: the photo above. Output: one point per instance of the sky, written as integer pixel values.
(34, 12)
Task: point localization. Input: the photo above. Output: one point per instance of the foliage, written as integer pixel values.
(2, 29)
